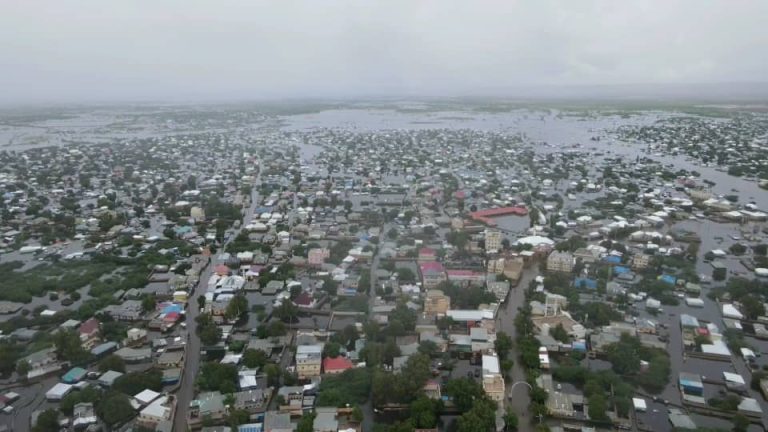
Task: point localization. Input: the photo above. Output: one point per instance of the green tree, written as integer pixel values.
(559, 333)
(481, 417)
(306, 423)
(753, 307)
(624, 355)
(510, 421)
(740, 423)
(425, 412)
(598, 407)
(68, 347)
(148, 303)
(89, 394)
(22, 368)
(287, 311)
(464, 392)
(47, 421)
(503, 344)
(236, 308)
(134, 382)
(237, 417)
(112, 362)
(253, 358)
(331, 349)
(115, 408)
(218, 377)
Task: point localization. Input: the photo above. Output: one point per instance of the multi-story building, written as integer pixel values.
(466, 277)
(317, 256)
(89, 333)
(493, 381)
(309, 361)
(496, 266)
(641, 261)
(493, 241)
(560, 262)
(436, 303)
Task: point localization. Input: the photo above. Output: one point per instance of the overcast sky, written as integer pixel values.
(102, 50)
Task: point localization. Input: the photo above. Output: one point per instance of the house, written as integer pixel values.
(308, 361)
(278, 422)
(493, 381)
(170, 359)
(560, 262)
(41, 359)
(317, 256)
(432, 390)
(466, 277)
(326, 420)
(336, 365)
(83, 415)
(305, 300)
(89, 333)
(108, 378)
(207, 405)
(253, 401)
(159, 410)
(432, 273)
(436, 303)
(427, 254)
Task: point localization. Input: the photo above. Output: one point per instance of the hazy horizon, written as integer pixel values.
(88, 51)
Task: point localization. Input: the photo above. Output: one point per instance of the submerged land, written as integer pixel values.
(465, 265)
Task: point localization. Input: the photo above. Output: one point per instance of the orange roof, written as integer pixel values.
(336, 364)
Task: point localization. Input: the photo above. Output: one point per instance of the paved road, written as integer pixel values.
(192, 357)
(506, 323)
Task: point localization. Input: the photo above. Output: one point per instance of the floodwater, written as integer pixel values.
(550, 130)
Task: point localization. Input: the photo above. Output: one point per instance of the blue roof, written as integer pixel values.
(585, 282)
(620, 270)
(579, 346)
(105, 347)
(613, 259)
(173, 308)
(74, 375)
(183, 229)
(668, 279)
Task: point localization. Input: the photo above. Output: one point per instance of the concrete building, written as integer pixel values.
(641, 261)
(436, 303)
(493, 381)
(317, 256)
(309, 361)
(159, 410)
(492, 241)
(560, 262)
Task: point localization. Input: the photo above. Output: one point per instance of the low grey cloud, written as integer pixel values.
(92, 50)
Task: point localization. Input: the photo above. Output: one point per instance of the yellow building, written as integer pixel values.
(436, 303)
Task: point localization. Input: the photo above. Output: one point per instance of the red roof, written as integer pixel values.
(337, 364)
(221, 269)
(484, 216)
(460, 273)
(89, 327)
(431, 266)
(171, 317)
(304, 299)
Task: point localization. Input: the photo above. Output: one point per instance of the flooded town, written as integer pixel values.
(384, 266)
